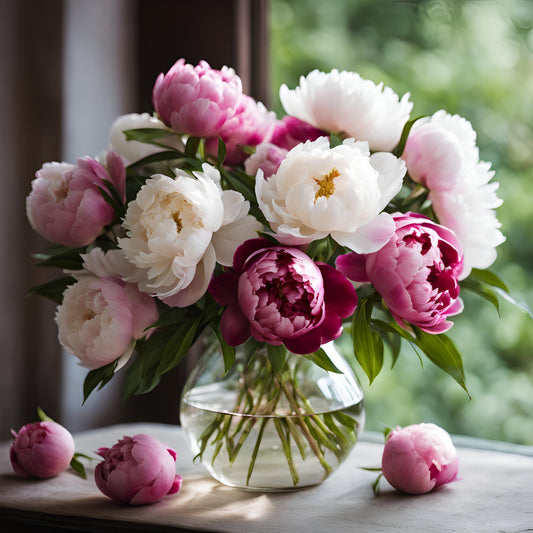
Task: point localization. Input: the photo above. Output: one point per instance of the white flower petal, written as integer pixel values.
(369, 238)
(345, 102)
(198, 286)
(134, 150)
(230, 236)
(318, 190)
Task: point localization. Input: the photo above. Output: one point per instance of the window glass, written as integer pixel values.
(474, 59)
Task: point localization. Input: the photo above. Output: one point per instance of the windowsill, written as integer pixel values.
(494, 494)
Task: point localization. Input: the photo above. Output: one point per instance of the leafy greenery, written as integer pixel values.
(473, 58)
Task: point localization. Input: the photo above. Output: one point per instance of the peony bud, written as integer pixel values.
(418, 458)
(41, 449)
(137, 470)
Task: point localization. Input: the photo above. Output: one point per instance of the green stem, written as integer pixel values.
(286, 444)
(303, 422)
(256, 449)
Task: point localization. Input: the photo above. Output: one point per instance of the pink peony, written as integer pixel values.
(291, 131)
(100, 319)
(41, 450)
(65, 204)
(416, 272)
(196, 100)
(267, 157)
(137, 470)
(279, 295)
(418, 458)
(251, 125)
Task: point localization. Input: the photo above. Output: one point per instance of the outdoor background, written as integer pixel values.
(473, 58)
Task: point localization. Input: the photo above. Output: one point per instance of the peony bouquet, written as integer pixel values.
(212, 213)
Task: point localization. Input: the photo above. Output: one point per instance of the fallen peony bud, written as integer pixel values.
(137, 470)
(418, 458)
(41, 450)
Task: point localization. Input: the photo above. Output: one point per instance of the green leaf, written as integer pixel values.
(489, 278)
(221, 153)
(177, 347)
(517, 303)
(43, 417)
(400, 147)
(98, 378)
(334, 139)
(240, 183)
(109, 199)
(441, 351)
(63, 257)
(371, 468)
(482, 290)
(228, 352)
(172, 316)
(477, 282)
(321, 359)
(53, 289)
(375, 485)
(166, 155)
(391, 338)
(77, 466)
(367, 344)
(276, 356)
(192, 145)
(147, 135)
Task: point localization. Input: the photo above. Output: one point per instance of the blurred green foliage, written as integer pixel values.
(473, 58)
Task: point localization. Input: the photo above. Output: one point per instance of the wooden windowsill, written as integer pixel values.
(495, 493)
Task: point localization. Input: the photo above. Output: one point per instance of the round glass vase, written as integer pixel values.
(257, 429)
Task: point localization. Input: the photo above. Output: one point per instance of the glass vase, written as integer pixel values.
(257, 429)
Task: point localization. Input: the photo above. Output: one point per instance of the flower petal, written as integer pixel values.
(369, 238)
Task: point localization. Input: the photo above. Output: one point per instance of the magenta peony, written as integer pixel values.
(290, 131)
(196, 100)
(418, 458)
(416, 272)
(65, 204)
(279, 295)
(137, 470)
(41, 450)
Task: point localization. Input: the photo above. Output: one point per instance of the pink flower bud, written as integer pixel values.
(41, 449)
(137, 470)
(196, 100)
(267, 157)
(418, 458)
(251, 125)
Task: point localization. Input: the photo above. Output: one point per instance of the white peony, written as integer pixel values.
(471, 215)
(109, 264)
(344, 102)
(178, 228)
(441, 153)
(133, 151)
(319, 191)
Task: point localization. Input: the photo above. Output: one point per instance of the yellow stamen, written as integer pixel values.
(326, 185)
(177, 220)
